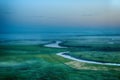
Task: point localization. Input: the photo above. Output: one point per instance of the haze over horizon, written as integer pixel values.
(60, 15)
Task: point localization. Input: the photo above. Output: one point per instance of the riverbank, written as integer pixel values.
(62, 54)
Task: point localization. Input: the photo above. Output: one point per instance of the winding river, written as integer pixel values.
(62, 54)
(54, 45)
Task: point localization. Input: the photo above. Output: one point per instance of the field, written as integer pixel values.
(36, 62)
(101, 50)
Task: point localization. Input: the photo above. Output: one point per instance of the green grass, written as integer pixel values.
(95, 49)
(96, 75)
(27, 49)
(93, 44)
(39, 70)
(35, 62)
(31, 62)
(21, 53)
(100, 56)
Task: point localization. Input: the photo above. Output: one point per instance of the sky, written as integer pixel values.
(63, 13)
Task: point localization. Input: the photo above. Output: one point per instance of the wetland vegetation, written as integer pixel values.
(37, 62)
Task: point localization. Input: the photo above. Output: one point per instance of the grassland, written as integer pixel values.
(31, 62)
(94, 44)
(99, 56)
(101, 50)
(36, 62)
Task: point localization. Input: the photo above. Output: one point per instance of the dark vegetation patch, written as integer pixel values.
(101, 50)
(35, 71)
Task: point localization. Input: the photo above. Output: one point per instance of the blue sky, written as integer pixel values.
(66, 12)
(80, 13)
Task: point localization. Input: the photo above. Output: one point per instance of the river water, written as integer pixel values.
(62, 54)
